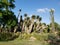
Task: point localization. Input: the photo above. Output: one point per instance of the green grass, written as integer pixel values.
(19, 41)
(23, 42)
(25, 39)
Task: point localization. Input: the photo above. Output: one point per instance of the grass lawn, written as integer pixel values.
(23, 42)
(18, 41)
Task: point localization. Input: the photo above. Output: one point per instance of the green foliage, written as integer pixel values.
(51, 37)
(33, 17)
(6, 14)
(54, 39)
(41, 37)
(5, 36)
(59, 33)
(25, 15)
(57, 26)
(25, 36)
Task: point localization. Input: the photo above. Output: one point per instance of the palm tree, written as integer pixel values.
(33, 17)
(25, 16)
(28, 24)
(32, 23)
(18, 14)
(38, 22)
(52, 19)
(25, 22)
(28, 21)
(37, 17)
(40, 18)
(21, 23)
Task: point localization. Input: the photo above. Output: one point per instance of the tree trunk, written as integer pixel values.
(31, 26)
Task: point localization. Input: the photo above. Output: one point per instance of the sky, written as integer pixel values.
(39, 7)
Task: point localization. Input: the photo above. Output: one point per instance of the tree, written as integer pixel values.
(24, 27)
(52, 18)
(32, 23)
(8, 16)
(25, 16)
(33, 17)
(38, 22)
(11, 5)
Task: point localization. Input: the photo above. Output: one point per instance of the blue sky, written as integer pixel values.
(39, 7)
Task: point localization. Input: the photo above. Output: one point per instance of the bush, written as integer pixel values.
(54, 39)
(6, 36)
(59, 33)
(25, 36)
(51, 37)
(41, 36)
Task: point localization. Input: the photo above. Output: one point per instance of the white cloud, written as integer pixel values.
(44, 10)
(40, 10)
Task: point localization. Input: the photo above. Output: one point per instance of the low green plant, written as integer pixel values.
(6, 36)
(40, 36)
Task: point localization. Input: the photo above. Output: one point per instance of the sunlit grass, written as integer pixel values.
(19, 41)
(40, 39)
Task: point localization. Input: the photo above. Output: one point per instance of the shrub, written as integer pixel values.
(6, 36)
(51, 37)
(54, 39)
(41, 36)
(25, 36)
(59, 33)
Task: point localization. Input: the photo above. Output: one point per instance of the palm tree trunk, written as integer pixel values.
(53, 27)
(31, 26)
(52, 19)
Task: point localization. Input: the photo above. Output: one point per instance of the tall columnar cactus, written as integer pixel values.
(52, 18)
